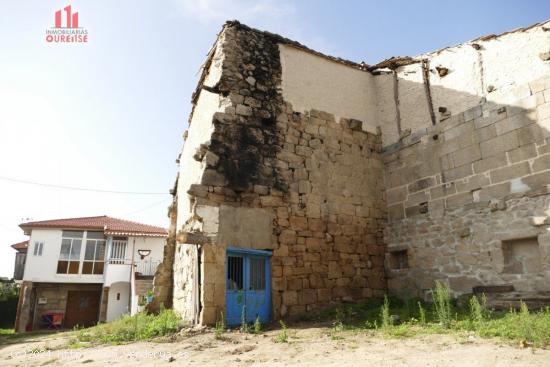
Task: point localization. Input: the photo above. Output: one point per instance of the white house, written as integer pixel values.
(79, 271)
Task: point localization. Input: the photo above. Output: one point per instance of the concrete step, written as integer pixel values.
(505, 297)
(533, 300)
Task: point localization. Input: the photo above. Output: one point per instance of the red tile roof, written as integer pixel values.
(20, 245)
(111, 226)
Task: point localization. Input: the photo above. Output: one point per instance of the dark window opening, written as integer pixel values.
(235, 271)
(257, 274)
(521, 256)
(399, 259)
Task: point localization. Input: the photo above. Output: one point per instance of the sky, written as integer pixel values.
(109, 114)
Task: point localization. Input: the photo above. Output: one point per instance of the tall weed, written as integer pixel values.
(442, 304)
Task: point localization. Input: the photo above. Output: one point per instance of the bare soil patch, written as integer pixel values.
(308, 346)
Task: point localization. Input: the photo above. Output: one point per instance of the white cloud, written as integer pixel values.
(208, 11)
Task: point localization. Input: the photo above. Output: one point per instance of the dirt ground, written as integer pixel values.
(312, 346)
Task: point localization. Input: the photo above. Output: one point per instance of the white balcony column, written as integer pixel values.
(109, 243)
(109, 246)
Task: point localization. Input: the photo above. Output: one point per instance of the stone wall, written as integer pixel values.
(464, 131)
(311, 81)
(454, 79)
(466, 247)
(460, 191)
(56, 295)
(409, 93)
(301, 184)
(163, 282)
(24, 306)
(185, 297)
(330, 232)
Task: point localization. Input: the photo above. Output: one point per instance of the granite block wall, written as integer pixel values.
(467, 199)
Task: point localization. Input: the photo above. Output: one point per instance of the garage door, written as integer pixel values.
(82, 308)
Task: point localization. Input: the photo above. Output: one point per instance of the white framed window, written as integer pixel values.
(69, 256)
(94, 253)
(38, 248)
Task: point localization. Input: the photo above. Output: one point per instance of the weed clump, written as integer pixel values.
(385, 313)
(283, 335)
(131, 328)
(257, 325)
(219, 327)
(441, 316)
(442, 304)
(422, 314)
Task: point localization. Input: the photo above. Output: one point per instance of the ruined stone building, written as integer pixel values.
(306, 179)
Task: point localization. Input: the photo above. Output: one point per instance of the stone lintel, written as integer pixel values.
(517, 235)
(192, 238)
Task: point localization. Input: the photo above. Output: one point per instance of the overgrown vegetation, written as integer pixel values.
(337, 325)
(9, 295)
(421, 314)
(130, 328)
(385, 313)
(220, 327)
(244, 324)
(257, 325)
(444, 315)
(8, 291)
(283, 334)
(442, 304)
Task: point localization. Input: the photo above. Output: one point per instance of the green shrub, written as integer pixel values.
(531, 327)
(220, 327)
(422, 314)
(442, 304)
(8, 291)
(478, 311)
(385, 313)
(283, 335)
(257, 325)
(374, 315)
(338, 324)
(9, 296)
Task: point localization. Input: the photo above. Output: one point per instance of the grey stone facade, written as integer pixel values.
(462, 192)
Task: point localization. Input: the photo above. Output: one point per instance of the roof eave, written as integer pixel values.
(135, 234)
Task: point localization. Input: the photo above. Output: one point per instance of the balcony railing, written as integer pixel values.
(120, 261)
(146, 267)
(118, 252)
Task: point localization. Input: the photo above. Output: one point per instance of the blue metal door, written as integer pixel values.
(248, 290)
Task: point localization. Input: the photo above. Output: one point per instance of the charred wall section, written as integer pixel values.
(305, 185)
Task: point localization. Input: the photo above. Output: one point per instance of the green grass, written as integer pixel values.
(6, 331)
(129, 328)
(441, 317)
(525, 325)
